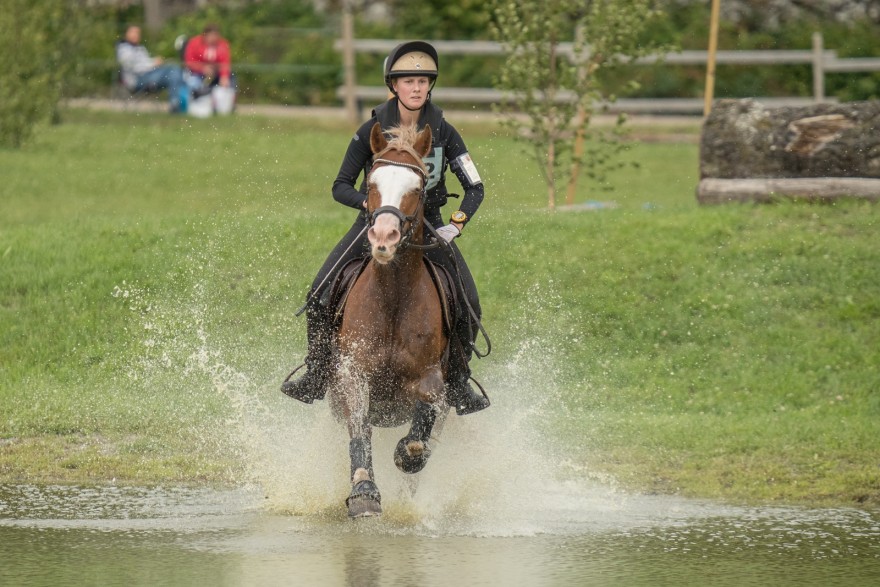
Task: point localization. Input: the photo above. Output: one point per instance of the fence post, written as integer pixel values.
(710, 57)
(153, 15)
(580, 132)
(818, 67)
(348, 62)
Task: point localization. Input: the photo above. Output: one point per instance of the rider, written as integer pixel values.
(410, 73)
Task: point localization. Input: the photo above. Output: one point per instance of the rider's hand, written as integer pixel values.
(448, 232)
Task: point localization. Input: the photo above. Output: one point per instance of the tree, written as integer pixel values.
(772, 14)
(555, 49)
(37, 42)
(441, 19)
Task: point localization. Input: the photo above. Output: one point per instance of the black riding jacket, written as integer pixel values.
(447, 147)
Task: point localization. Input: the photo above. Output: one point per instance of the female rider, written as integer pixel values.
(410, 73)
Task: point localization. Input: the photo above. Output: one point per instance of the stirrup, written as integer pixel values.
(303, 389)
(469, 401)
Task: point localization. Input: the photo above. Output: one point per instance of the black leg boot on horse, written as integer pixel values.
(412, 451)
(460, 394)
(319, 360)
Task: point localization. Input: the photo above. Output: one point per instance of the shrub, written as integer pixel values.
(37, 40)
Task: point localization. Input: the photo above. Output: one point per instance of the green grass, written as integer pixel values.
(729, 352)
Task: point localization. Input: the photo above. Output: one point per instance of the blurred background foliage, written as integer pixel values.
(39, 42)
(283, 50)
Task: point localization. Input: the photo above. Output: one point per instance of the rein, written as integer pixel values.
(382, 210)
(330, 274)
(437, 242)
(474, 319)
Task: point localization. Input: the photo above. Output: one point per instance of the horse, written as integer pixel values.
(391, 344)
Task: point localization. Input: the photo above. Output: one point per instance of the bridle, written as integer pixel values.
(404, 219)
(405, 242)
(437, 241)
(408, 223)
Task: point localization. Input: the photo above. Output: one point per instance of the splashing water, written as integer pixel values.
(503, 472)
(498, 472)
(494, 477)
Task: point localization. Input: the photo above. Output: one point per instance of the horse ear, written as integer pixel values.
(377, 138)
(422, 145)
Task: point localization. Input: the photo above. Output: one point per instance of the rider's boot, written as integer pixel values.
(459, 392)
(319, 362)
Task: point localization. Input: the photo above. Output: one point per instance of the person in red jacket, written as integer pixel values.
(208, 58)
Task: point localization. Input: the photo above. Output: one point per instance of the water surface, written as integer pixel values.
(502, 502)
(61, 535)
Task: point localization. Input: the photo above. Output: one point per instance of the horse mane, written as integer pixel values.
(402, 139)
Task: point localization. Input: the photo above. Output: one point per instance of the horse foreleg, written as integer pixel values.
(360, 451)
(364, 499)
(412, 451)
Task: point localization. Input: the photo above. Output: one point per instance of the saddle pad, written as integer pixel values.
(348, 276)
(446, 289)
(344, 281)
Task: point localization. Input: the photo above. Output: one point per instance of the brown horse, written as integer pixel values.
(391, 342)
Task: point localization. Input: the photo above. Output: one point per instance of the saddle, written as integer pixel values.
(337, 294)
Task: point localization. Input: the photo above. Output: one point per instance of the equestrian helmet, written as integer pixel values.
(414, 58)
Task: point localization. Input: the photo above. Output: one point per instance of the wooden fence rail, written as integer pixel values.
(823, 62)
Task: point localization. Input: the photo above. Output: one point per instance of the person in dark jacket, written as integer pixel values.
(410, 73)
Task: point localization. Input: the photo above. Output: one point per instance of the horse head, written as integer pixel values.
(396, 189)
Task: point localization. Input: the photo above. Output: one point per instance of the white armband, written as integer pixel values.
(466, 164)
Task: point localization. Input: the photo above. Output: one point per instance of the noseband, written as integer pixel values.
(404, 219)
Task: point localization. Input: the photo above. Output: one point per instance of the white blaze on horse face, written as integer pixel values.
(392, 183)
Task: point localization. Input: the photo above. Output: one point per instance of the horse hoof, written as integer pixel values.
(411, 455)
(364, 500)
(363, 507)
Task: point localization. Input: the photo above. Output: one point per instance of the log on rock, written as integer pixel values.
(744, 139)
(717, 191)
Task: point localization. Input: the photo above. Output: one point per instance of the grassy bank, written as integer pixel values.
(728, 352)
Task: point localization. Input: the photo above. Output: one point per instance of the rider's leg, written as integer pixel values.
(320, 324)
(459, 392)
(319, 360)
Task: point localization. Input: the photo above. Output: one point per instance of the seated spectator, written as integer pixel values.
(143, 73)
(208, 59)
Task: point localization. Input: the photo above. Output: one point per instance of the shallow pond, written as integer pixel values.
(502, 502)
(61, 535)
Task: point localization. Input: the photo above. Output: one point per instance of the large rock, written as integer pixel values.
(742, 139)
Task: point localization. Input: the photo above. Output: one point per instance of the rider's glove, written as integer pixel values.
(448, 232)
